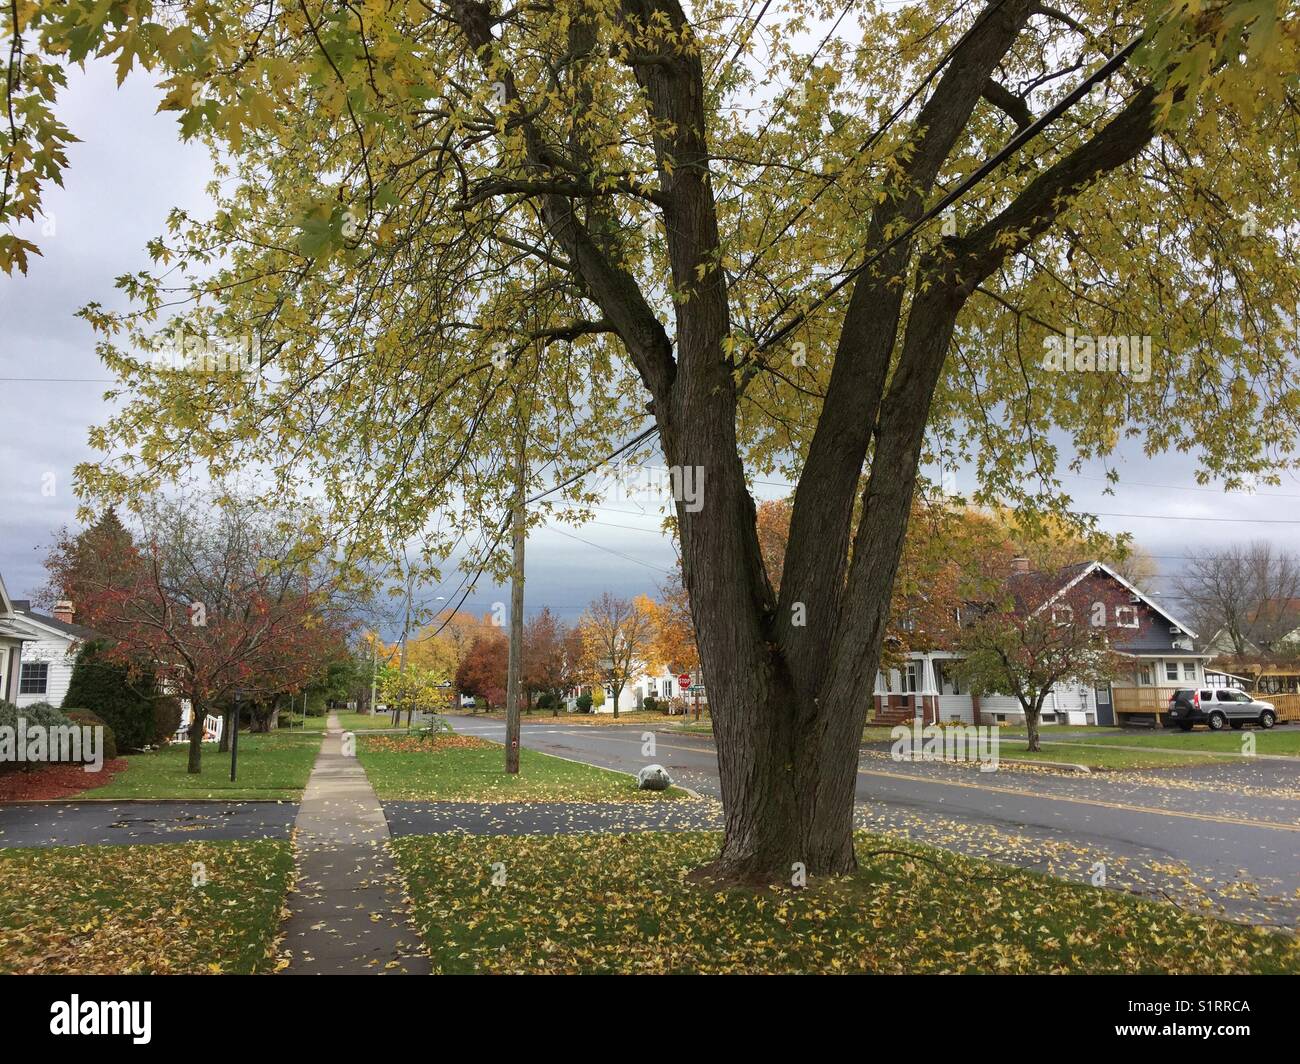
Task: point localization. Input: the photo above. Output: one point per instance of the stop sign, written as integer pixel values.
(684, 680)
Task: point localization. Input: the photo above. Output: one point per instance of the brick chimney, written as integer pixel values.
(63, 611)
(1020, 565)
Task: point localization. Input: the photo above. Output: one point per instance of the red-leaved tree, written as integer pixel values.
(222, 599)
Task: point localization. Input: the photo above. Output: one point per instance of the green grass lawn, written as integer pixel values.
(1282, 740)
(605, 903)
(274, 765)
(467, 769)
(1098, 757)
(98, 910)
(1159, 748)
(1103, 748)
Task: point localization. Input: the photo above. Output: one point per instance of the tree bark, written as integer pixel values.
(196, 738)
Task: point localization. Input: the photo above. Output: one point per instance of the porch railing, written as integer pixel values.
(1288, 705)
(1141, 699)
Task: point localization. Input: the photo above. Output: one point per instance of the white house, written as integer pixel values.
(12, 638)
(1158, 644)
(49, 652)
(645, 683)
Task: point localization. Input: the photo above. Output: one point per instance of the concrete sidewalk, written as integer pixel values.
(347, 915)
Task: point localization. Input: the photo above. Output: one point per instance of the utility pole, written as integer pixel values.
(401, 668)
(374, 670)
(514, 674)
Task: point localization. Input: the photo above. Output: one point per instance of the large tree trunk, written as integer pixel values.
(787, 787)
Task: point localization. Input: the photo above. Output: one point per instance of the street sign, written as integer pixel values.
(684, 680)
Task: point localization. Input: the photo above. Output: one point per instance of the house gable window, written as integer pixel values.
(1062, 615)
(1126, 616)
(34, 678)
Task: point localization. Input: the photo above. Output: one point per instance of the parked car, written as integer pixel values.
(1217, 708)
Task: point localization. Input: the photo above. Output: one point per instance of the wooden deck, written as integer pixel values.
(1146, 700)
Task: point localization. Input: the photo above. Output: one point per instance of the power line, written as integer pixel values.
(610, 550)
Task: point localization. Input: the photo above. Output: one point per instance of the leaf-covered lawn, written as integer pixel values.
(591, 720)
(610, 903)
(136, 909)
(463, 768)
(368, 721)
(275, 765)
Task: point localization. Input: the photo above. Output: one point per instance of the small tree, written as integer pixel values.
(482, 673)
(412, 689)
(544, 657)
(222, 598)
(1039, 636)
(618, 634)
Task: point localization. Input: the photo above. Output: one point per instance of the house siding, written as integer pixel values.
(60, 655)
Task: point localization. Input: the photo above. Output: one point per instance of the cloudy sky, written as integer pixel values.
(130, 169)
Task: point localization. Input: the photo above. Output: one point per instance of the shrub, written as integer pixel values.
(650, 704)
(545, 701)
(39, 713)
(584, 704)
(124, 703)
(166, 719)
(86, 718)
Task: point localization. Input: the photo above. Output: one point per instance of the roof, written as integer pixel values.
(23, 610)
(1082, 569)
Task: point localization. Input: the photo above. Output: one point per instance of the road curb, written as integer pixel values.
(1068, 766)
(150, 801)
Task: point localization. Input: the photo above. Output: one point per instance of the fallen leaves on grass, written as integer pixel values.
(137, 909)
(451, 769)
(610, 903)
(414, 744)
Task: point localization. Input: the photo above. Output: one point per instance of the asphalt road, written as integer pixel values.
(1215, 838)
